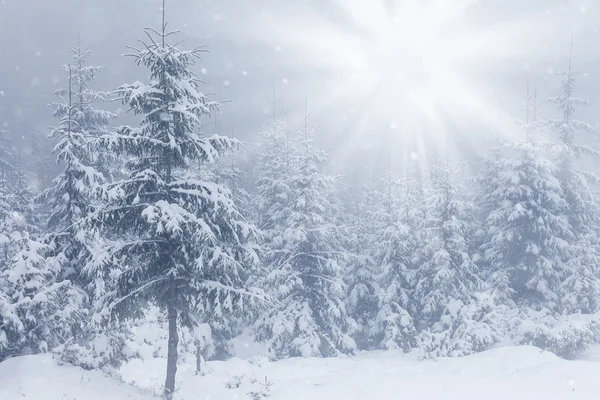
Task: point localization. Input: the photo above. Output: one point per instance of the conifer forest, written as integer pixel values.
(397, 178)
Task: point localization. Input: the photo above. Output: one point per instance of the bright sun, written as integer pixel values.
(414, 59)
(413, 65)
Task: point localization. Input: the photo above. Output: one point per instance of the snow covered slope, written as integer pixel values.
(508, 373)
(40, 378)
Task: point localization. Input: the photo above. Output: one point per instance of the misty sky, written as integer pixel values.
(249, 48)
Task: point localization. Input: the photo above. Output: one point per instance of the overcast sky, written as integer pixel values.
(248, 51)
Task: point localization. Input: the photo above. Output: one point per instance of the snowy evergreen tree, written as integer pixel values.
(274, 192)
(486, 177)
(580, 191)
(530, 255)
(361, 276)
(22, 195)
(582, 286)
(232, 174)
(467, 326)
(395, 258)
(47, 306)
(89, 120)
(6, 157)
(32, 316)
(11, 326)
(39, 307)
(227, 171)
(6, 212)
(7, 226)
(182, 243)
(305, 254)
(582, 204)
(527, 236)
(71, 197)
(447, 276)
(226, 326)
(263, 393)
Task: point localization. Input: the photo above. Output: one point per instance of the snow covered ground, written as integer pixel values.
(506, 373)
(40, 378)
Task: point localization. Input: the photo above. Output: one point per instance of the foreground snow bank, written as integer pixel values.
(507, 373)
(40, 378)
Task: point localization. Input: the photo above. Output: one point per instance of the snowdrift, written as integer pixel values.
(506, 373)
(41, 378)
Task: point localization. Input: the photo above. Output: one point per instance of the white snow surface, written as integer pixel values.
(39, 377)
(505, 373)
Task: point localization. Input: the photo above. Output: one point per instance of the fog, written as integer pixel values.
(253, 51)
(412, 177)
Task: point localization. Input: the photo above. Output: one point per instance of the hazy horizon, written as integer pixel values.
(255, 46)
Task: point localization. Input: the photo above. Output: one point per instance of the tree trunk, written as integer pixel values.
(172, 349)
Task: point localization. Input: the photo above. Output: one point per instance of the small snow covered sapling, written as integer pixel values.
(237, 381)
(204, 346)
(263, 393)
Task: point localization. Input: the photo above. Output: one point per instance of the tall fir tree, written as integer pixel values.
(361, 275)
(72, 241)
(182, 243)
(231, 171)
(226, 326)
(394, 326)
(276, 161)
(580, 190)
(583, 209)
(11, 326)
(527, 236)
(486, 176)
(90, 120)
(305, 254)
(448, 272)
(447, 279)
(33, 274)
(71, 197)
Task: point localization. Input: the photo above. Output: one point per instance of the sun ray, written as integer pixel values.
(422, 66)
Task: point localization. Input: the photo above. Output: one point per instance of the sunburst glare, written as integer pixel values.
(419, 67)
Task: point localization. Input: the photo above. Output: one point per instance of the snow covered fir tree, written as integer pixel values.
(173, 239)
(361, 275)
(395, 260)
(401, 229)
(305, 258)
